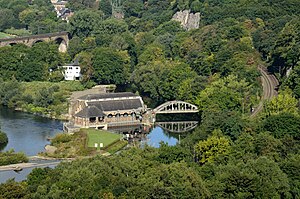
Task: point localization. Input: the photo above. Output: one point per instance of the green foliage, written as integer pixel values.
(160, 79)
(84, 22)
(283, 124)
(290, 166)
(45, 98)
(260, 178)
(18, 32)
(10, 157)
(70, 146)
(283, 103)
(210, 149)
(129, 174)
(110, 66)
(214, 66)
(3, 138)
(29, 64)
(12, 190)
(9, 92)
(169, 154)
(228, 93)
(61, 138)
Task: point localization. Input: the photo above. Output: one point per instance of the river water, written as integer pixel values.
(26, 132)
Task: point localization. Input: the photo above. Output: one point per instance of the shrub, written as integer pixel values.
(10, 157)
(61, 138)
(3, 138)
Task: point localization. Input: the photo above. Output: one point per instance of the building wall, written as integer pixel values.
(72, 72)
(104, 121)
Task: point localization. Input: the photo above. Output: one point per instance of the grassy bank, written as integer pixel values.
(83, 142)
(100, 136)
(3, 35)
(111, 141)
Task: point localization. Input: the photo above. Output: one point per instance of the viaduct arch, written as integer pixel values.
(61, 38)
(176, 107)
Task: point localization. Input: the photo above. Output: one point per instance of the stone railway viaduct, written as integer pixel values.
(61, 38)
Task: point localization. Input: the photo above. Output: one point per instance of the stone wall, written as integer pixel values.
(187, 19)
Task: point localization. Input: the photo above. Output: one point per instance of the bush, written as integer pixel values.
(61, 138)
(10, 157)
(3, 138)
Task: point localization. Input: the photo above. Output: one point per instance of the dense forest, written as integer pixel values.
(215, 66)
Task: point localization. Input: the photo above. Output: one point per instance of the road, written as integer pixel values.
(12, 167)
(269, 83)
(35, 162)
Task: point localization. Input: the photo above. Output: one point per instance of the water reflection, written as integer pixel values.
(168, 132)
(158, 135)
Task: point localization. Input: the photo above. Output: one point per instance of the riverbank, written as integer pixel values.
(46, 99)
(86, 142)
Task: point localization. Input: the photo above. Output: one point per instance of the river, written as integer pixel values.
(28, 133)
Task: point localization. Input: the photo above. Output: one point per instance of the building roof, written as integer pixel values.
(115, 105)
(90, 111)
(107, 95)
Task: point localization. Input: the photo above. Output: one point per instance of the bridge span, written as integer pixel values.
(176, 107)
(61, 38)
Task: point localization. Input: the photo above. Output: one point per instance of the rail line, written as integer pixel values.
(269, 83)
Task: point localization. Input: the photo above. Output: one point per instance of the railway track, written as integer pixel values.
(269, 83)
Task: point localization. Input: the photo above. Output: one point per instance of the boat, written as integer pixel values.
(18, 169)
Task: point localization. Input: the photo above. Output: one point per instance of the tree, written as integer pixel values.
(283, 124)
(84, 22)
(160, 79)
(3, 138)
(10, 92)
(110, 66)
(7, 19)
(12, 189)
(291, 167)
(86, 66)
(286, 51)
(260, 178)
(283, 103)
(210, 149)
(223, 94)
(111, 26)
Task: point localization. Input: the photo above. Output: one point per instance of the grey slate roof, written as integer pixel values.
(90, 111)
(107, 95)
(115, 105)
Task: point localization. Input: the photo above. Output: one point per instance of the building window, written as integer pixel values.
(70, 68)
(92, 119)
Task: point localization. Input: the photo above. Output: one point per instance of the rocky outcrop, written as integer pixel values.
(187, 19)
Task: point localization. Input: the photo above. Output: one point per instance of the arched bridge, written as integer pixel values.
(61, 38)
(176, 107)
(178, 127)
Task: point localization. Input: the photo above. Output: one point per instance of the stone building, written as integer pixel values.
(106, 110)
